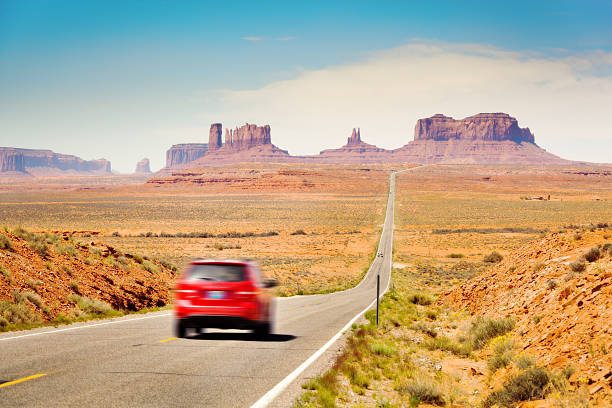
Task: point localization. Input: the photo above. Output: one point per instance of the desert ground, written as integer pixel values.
(492, 290)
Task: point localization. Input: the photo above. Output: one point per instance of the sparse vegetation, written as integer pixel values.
(420, 299)
(493, 257)
(592, 254)
(5, 243)
(578, 265)
(299, 232)
(485, 329)
(538, 266)
(529, 385)
(7, 274)
(93, 306)
(424, 391)
(551, 284)
(456, 256)
(503, 353)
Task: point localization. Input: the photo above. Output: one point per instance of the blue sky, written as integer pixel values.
(127, 79)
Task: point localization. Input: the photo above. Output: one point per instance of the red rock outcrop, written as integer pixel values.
(483, 126)
(181, 154)
(47, 162)
(143, 166)
(11, 160)
(247, 136)
(355, 151)
(214, 136)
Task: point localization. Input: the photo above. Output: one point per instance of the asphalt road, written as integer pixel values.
(135, 362)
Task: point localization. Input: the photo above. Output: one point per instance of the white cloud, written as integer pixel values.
(285, 38)
(252, 38)
(565, 100)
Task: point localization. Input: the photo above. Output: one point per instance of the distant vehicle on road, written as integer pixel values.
(225, 295)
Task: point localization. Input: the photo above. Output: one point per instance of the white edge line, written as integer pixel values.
(269, 396)
(85, 327)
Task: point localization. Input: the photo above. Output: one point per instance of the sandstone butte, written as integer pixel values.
(26, 162)
(485, 138)
(143, 166)
(562, 317)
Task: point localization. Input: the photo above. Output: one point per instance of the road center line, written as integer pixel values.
(170, 339)
(84, 327)
(6, 384)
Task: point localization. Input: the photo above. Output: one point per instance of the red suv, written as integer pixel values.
(224, 295)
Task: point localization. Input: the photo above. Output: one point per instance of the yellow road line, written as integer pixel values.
(170, 339)
(6, 384)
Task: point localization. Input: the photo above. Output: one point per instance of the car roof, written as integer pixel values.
(221, 261)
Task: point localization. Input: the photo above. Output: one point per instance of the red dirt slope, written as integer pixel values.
(564, 317)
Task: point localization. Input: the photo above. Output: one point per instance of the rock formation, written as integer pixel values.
(214, 136)
(143, 167)
(11, 160)
(47, 162)
(247, 136)
(485, 138)
(484, 126)
(181, 154)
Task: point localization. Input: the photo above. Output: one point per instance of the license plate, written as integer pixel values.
(215, 294)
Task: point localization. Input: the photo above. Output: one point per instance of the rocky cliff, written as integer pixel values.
(355, 151)
(181, 154)
(247, 137)
(11, 160)
(47, 162)
(484, 126)
(143, 167)
(214, 136)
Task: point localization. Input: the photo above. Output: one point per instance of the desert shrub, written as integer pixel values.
(299, 232)
(578, 265)
(456, 256)
(6, 273)
(88, 261)
(538, 266)
(39, 246)
(16, 313)
(503, 351)
(606, 248)
(34, 299)
(537, 318)
(116, 234)
(97, 251)
(422, 390)
(5, 242)
(150, 267)
(446, 344)
(431, 314)
(551, 284)
(123, 260)
(419, 299)
(524, 361)
(67, 270)
(168, 265)
(425, 328)
(485, 329)
(74, 285)
(66, 249)
(592, 254)
(137, 258)
(383, 349)
(493, 257)
(529, 385)
(34, 283)
(577, 236)
(93, 306)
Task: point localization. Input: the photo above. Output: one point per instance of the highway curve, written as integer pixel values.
(135, 361)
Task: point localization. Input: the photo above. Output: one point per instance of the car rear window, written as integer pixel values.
(216, 272)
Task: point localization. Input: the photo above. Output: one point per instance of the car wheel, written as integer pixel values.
(179, 330)
(262, 329)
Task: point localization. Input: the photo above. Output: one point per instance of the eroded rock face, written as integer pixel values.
(47, 162)
(181, 154)
(214, 136)
(355, 137)
(483, 127)
(11, 160)
(247, 136)
(143, 166)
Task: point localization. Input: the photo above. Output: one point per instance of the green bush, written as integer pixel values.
(66, 249)
(67, 270)
(539, 266)
(485, 329)
(551, 284)
(16, 314)
(493, 257)
(446, 344)
(7, 274)
(150, 267)
(503, 351)
(382, 349)
(592, 254)
(529, 385)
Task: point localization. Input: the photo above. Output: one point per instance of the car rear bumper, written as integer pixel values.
(218, 322)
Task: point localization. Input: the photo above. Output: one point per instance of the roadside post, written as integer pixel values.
(377, 296)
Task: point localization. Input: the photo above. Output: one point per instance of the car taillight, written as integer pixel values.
(248, 293)
(186, 293)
